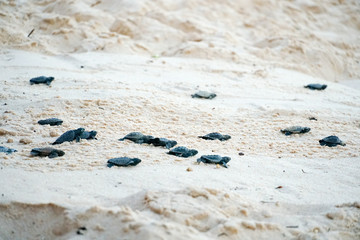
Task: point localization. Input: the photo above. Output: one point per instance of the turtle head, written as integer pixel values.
(60, 153)
(305, 130)
(135, 161)
(93, 134)
(225, 159)
(193, 152)
(79, 131)
(170, 144)
(226, 137)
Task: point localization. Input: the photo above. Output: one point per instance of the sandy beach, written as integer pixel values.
(132, 66)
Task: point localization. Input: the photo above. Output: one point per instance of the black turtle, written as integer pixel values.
(42, 79)
(137, 137)
(47, 152)
(51, 121)
(163, 142)
(215, 135)
(316, 86)
(203, 94)
(183, 152)
(7, 150)
(123, 162)
(295, 130)
(217, 159)
(88, 135)
(331, 141)
(69, 136)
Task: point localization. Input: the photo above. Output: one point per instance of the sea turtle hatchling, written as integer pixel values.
(123, 162)
(331, 141)
(137, 137)
(295, 130)
(183, 152)
(316, 86)
(7, 150)
(51, 121)
(42, 79)
(215, 135)
(203, 94)
(163, 142)
(88, 135)
(217, 159)
(47, 152)
(70, 136)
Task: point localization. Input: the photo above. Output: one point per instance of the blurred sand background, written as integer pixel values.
(124, 66)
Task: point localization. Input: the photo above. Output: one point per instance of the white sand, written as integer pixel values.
(141, 62)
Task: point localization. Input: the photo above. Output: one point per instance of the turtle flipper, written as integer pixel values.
(109, 165)
(48, 83)
(78, 138)
(225, 165)
(287, 133)
(53, 155)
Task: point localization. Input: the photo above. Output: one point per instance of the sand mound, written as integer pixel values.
(188, 213)
(320, 38)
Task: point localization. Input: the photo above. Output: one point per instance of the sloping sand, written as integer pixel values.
(124, 66)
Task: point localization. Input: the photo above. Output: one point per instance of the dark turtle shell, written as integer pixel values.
(183, 152)
(7, 150)
(163, 142)
(204, 94)
(316, 86)
(88, 135)
(295, 130)
(215, 135)
(69, 136)
(137, 137)
(217, 159)
(123, 162)
(42, 79)
(331, 141)
(47, 152)
(51, 121)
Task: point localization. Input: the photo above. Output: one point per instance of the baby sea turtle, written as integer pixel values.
(88, 135)
(331, 141)
(51, 121)
(7, 150)
(47, 152)
(295, 130)
(183, 152)
(42, 79)
(123, 162)
(163, 142)
(204, 94)
(316, 86)
(137, 137)
(215, 135)
(69, 136)
(217, 159)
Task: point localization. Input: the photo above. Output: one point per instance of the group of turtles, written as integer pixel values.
(139, 138)
(181, 151)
